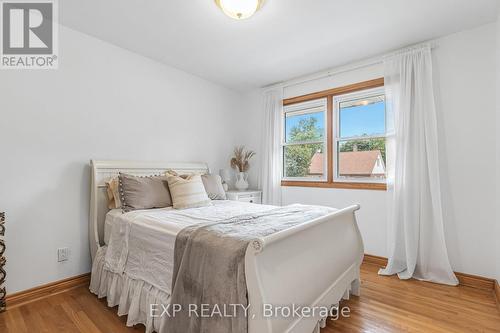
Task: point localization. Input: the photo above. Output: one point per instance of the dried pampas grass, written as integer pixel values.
(241, 159)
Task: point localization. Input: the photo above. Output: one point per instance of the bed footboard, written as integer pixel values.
(311, 265)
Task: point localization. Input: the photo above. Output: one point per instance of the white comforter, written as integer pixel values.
(141, 243)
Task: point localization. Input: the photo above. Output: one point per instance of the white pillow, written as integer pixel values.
(213, 186)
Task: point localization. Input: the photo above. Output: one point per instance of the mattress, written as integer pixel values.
(141, 243)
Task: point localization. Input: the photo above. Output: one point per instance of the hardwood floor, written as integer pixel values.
(386, 305)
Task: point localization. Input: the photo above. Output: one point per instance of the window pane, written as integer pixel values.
(361, 158)
(362, 117)
(301, 127)
(304, 161)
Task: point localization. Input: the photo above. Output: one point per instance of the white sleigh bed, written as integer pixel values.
(313, 264)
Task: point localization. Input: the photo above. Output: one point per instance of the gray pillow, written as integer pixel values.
(213, 186)
(143, 192)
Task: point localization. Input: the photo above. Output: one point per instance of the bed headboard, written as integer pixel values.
(104, 170)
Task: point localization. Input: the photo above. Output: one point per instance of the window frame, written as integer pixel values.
(331, 182)
(320, 103)
(365, 93)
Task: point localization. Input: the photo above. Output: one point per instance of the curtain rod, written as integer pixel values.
(346, 68)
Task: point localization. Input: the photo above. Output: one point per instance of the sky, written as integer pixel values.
(359, 120)
(354, 121)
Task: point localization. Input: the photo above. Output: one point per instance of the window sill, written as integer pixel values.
(344, 185)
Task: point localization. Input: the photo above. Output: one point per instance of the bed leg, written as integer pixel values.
(356, 287)
(322, 323)
(346, 294)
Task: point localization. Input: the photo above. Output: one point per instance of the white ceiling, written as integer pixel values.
(285, 39)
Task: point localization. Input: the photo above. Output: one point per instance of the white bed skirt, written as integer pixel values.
(133, 297)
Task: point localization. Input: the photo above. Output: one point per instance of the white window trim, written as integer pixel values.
(336, 134)
(305, 107)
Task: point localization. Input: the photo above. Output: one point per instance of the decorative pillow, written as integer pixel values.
(143, 192)
(173, 173)
(213, 186)
(113, 193)
(187, 191)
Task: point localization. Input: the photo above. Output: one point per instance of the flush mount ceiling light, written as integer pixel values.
(239, 9)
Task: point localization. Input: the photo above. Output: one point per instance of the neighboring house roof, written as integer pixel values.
(317, 164)
(358, 162)
(350, 163)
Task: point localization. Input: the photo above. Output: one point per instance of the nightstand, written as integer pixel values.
(252, 196)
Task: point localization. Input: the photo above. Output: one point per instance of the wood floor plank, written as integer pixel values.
(15, 321)
(386, 305)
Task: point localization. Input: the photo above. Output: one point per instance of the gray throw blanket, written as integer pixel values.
(209, 268)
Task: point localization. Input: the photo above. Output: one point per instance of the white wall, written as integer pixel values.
(250, 134)
(102, 103)
(464, 84)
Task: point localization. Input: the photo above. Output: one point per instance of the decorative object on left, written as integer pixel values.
(241, 162)
(3, 274)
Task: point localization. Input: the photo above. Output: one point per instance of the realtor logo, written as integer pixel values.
(29, 34)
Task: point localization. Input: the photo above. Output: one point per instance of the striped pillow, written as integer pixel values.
(187, 191)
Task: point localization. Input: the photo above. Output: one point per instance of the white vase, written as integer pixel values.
(241, 181)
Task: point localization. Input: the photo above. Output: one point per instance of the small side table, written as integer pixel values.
(252, 196)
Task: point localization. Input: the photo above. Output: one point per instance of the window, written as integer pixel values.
(360, 136)
(304, 141)
(336, 138)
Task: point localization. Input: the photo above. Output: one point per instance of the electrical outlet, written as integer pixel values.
(62, 254)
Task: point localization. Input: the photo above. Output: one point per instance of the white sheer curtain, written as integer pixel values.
(270, 179)
(417, 245)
